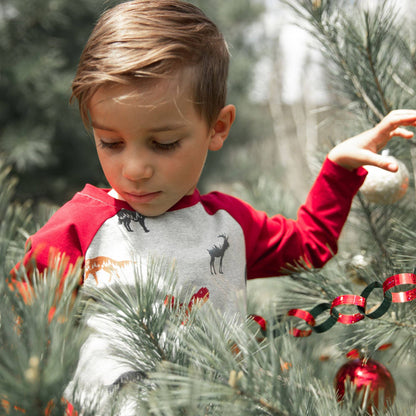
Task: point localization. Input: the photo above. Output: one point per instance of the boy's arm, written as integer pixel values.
(279, 243)
(70, 230)
(54, 245)
(67, 233)
(363, 149)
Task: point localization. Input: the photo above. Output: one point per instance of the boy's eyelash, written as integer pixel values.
(165, 146)
(108, 145)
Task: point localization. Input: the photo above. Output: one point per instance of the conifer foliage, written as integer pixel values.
(187, 360)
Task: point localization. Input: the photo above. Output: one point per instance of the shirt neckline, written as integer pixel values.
(104, 195)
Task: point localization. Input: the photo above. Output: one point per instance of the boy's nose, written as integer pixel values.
(136, 169)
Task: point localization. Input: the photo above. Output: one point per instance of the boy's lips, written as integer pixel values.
(141, 197)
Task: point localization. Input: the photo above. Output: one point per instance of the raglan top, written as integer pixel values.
(216, 241)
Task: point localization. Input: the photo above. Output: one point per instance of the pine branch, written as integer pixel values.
(220, 395)
(211, 364)
(14, 219)
(374, 230)
(364, 49)
(40, 340)
(369, 51)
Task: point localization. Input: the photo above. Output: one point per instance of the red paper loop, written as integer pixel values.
(360, 302)
(349, 300)
(401, 279)
(260, 320)
(305, 316)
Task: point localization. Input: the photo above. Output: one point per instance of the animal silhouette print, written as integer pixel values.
(125, 217)
(107, 264)
(217, 251)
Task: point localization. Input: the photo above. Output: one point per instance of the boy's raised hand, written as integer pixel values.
(362, 149)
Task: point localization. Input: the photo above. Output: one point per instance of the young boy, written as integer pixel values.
(152, 85)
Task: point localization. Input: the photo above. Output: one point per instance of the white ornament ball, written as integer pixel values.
(385, 187)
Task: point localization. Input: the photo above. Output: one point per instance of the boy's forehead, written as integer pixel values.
(146, 92)
(151, 104)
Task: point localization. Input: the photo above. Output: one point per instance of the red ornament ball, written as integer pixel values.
(362, 373)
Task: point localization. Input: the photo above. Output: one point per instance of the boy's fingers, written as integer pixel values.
(406, 134)
(383, 162)
(396, 119)
(400, 117)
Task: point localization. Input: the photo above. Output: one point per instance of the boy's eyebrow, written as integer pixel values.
(167, 127)
(98, 126)
(157, 129)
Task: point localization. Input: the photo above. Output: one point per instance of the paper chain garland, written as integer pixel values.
(359, 301)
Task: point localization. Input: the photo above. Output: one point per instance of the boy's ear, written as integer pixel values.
(222, 127)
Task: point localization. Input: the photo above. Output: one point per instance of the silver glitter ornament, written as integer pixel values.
(385, 187)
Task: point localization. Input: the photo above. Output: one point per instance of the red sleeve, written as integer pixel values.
(274, 245)
(69, 232)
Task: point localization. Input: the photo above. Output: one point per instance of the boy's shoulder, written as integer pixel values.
(215, 200)
(72, 227)
(89, 206)
(92, 197)
(239, 209)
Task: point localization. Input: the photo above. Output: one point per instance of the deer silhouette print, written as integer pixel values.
(217, 251)
(125, 217)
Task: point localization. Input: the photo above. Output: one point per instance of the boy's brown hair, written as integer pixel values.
(146, 40)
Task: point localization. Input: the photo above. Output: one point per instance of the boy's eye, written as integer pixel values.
(165, 147)
(109, 145)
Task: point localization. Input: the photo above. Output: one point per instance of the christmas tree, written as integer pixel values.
(187, 360)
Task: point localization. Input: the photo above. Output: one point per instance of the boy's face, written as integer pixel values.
(151, 142)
